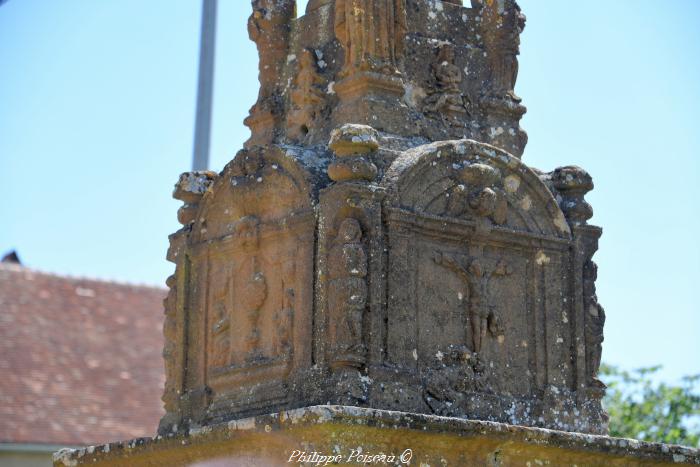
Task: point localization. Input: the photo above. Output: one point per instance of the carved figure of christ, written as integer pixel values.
(476, 280)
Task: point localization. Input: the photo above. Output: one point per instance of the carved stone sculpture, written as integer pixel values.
(594, 322)
(269, 28)
(371, 33)
(502, 25)
(447, 97)
(379, 242)
(481, 317)
(348, 294)
(221, 329)
(306, 97)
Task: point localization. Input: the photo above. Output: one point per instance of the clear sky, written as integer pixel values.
(96, 122)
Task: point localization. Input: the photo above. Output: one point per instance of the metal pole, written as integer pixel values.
(205, 87)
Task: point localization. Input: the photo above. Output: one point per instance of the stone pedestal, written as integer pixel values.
(374, 99)
(337, 435)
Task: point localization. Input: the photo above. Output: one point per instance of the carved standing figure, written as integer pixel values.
(284, 317)
(221, 329)
(283, 323)
(594, 322)
(347, 294)
(371, 33)
(503, 23)
(306, 96)
(268, 27)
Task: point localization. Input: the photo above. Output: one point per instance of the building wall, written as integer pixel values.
(25, 459)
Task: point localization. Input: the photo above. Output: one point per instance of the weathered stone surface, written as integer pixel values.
(379, 242)
(305, 436)
(410, 68)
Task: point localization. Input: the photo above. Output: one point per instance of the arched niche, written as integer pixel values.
(474, 182)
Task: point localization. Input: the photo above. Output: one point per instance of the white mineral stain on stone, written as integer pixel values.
(493, 132)
(199, 431)
(329, 89)
(512, 183)
(291, 58)
(678, 458)
(541, 259)
(415, 354)
(241, 425)
(526, 203)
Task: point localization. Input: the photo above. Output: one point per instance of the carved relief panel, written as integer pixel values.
(251, 300)
(499, 304)
(478, 275)
(253, 258)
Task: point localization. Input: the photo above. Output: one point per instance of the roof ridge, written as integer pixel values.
(24, 268)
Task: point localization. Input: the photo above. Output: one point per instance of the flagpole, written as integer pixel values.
(205, 86)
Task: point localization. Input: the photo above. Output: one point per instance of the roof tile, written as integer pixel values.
(80, 358)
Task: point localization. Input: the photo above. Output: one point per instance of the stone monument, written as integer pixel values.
(378, 246)
(379, 243)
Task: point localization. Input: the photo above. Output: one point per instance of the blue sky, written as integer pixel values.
(96, 122)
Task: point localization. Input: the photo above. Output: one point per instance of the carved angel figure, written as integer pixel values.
(371, 33)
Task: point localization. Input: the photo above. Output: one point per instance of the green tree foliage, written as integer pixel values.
(641, 407)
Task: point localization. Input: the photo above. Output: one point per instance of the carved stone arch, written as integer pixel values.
(472, 182)
(261, 182)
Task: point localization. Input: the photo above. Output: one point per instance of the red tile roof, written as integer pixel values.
(80, 360)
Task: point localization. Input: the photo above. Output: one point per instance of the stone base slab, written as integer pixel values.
(338, 435)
